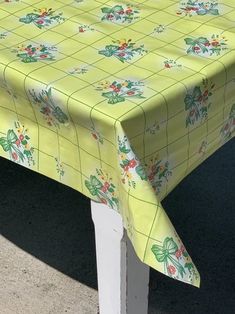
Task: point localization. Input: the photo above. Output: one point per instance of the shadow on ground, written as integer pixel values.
(48, 220)
(53, 223)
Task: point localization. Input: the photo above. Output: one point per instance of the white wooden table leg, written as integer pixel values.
(122, 278)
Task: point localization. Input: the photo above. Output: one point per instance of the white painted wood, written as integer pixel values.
(122, 278)
(137, 283)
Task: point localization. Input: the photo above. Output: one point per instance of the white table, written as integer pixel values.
(122, 278)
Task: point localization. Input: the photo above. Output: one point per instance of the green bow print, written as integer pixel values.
(166, 254)
(101, 191)
(200, 42)
(8, 144)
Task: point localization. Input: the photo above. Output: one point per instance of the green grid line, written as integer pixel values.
(118, 120)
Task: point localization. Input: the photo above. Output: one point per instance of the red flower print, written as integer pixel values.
(95, 136)
(196, 48)
(40, 22)
(43, 56)
(178, 253)
(182, 248)
(122, 54)
(104, 189)
(17, 142)
(21, 137)
(132, 163)
(107, 185)
(206, 93)
(129, 11)
(192, 112)
(171, 270)
(14, 156)
(126, 168)
(46, 110)
(226, 127)
(215, 43)
(130, 92)
(103, 201)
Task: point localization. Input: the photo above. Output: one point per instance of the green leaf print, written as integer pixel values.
(124, 149)
(189, 41)
(189, 266)
(28, 18)
(214, 11)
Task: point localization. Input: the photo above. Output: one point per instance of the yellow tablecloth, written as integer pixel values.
(119, 100)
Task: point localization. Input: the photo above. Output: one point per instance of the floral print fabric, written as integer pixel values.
(119, 101)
